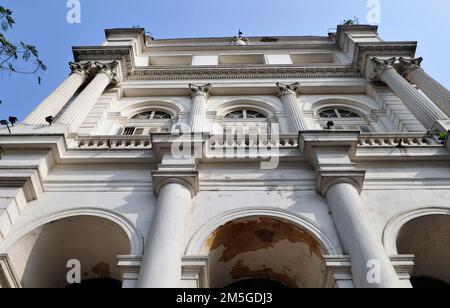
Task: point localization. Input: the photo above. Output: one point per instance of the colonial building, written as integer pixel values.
(231, 162)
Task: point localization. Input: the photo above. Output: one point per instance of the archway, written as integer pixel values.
(40, 257)
(428, 238)
(264, 251)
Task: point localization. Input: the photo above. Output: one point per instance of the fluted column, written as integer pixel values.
(426, 113)
(161, 264)
(82, 105)
(199, 100)
(53, 104)
(288, 94)
(371, 266)
(435, 91)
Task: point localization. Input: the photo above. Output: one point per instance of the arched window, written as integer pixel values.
(152, 115)
(338, 113)
(243, 121)
(343, 119)
(244, 114)
(145, 123)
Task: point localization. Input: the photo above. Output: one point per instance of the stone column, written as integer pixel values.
(199, 100)
(82, 105)
(350, 215)
(434, 90)
(53, 104)
(426, 113)
(288, 94)
(161, 264)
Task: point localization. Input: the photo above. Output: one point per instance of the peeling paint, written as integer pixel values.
(102, 270)
(239, 237)
(240, 271)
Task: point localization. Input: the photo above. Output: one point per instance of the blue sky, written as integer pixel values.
(44, 24)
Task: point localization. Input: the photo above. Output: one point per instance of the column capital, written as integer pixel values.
(80, 68)
(286, 89)
(328, 178)
(200, 89)
(108, 68)
(407, 65)
(380, 65)
(188, 179)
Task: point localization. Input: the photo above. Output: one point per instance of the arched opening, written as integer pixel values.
(264, 252)
(40, 257)
(428, 239)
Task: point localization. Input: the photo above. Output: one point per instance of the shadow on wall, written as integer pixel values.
(40, 257)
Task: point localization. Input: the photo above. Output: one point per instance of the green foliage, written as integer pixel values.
(442, 136)
(350, 22)
(20, 58)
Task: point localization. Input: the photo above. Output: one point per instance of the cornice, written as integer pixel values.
(122, 54)
(243, 72)
(365, 51)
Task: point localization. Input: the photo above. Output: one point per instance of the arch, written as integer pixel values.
(197, 242)
(360, 107)
(261, 106)
(395, 224)
(134, 236)
(173, 107)
(264, 245)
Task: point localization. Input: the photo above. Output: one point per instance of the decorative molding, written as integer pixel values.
(80, 68)
(26, 178)
(189, 179)
(407, 65)
(396, 223)
(109, 69)
(328, 178)
(200, 90)
(122, 54)
(286, 89)
(8, 277)
(338, 273)
(194, 270)
(129, 267)
(134, 235)
(365, 51)
(240, 72)
(198, 240)
(380, 66)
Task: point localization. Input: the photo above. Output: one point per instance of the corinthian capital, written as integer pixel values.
(407, 65)
(108, 68)
(286, 89)
(200, 90)
(380, 66)
(80, 68)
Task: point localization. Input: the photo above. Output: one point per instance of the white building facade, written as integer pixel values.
(301, 162)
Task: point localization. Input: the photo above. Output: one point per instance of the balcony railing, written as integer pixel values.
(287, 141)
(397, 140)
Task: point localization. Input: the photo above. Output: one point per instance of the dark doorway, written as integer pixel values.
(256, 284)
(428, 283)
(103, 283)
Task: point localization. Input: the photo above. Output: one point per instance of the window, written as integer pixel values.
(148, 122)
(244, 114)
(343, 120)
(338, 113)
(128, 131)
(152, 115)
